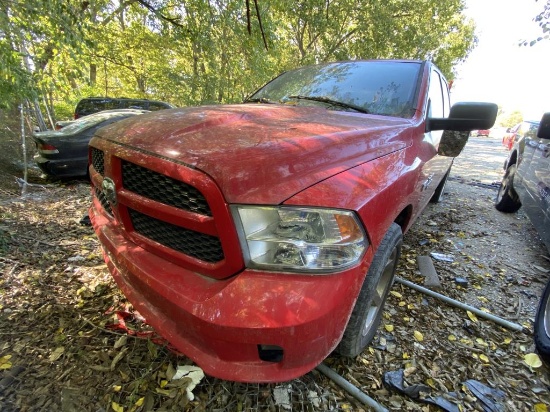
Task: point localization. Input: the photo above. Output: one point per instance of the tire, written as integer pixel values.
(440, 189)
(542, 325)
(507, 200)
(369, 307)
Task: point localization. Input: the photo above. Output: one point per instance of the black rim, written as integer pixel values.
(382, 287)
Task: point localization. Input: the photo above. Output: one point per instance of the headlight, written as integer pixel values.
(299, 239)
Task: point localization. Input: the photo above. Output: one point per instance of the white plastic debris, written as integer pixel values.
(189, 371)
(314, 398)
(76, 259)
(281, 395)
(442, 257)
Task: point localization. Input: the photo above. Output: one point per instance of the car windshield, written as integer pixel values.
(378, 87)
(86, 122)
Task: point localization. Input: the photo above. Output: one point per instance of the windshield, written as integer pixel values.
(378, 87)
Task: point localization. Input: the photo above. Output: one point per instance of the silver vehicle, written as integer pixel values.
(526, 184)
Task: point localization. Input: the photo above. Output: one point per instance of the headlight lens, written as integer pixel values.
(299, 239)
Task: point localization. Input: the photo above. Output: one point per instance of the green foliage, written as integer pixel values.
(543, 20)
(32, 33)
(510, 119)
(191, 52)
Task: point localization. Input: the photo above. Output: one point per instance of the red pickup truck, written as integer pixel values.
(257, 238)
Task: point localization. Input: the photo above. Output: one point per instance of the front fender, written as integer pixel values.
(377, 190)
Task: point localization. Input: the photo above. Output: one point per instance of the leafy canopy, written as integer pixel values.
(190, 52)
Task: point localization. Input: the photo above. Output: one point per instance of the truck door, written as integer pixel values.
(438, 106)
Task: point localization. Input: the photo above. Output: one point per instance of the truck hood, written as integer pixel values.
(259, 153)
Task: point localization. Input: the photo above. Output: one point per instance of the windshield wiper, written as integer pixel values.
(259, 100)
(330, 101)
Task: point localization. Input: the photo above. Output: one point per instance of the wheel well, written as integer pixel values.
(404, 218)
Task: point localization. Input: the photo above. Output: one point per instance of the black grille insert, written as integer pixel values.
(98, 161)
(163, 189)
(198, 245)
(103, 200)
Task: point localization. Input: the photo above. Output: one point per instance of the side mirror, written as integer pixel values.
(466, 117)
(544, 127)
(463, 118)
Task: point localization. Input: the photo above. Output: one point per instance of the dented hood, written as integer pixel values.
(259, 153)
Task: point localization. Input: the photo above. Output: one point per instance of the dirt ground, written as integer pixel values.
(59, 350)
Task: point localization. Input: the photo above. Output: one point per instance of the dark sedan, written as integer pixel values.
(64, 152)
(526, 184)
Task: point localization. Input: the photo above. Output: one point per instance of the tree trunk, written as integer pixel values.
(93, 74)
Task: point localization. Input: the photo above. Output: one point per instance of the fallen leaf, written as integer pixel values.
(121, 341)
(116, 407)
(484, 358)
(396, 294)
(117, 388)
(540, 407)
(139, 402)
(5, 362)
(56, 354)
(452, 338)
(389, 328)
(118, 357)
(532, 360)
(418, 336)
(164, 392)
(481, 342)
(472, 317)
(409, 371)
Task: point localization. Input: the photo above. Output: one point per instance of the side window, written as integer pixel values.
(156, 106)
(446, 97)
(134, 104)
(531, 131)
(437, 105)
(109, 105)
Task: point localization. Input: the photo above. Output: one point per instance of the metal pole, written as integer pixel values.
(24, 147)
(446, 299)
(351, 389)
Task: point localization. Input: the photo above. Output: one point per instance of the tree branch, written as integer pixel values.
(260, 22)
(173, 20)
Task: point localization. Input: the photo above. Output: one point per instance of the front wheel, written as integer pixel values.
(507, 199)
(368, 309)
(542, 325)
